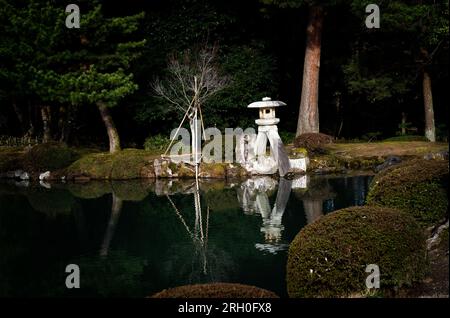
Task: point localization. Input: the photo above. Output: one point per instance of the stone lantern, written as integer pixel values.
(268, 132)
(267, 111)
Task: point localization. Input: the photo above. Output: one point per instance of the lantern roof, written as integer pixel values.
(266, 102)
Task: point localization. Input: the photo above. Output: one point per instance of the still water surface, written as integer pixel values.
(135, 238)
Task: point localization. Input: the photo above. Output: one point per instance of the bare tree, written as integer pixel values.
(192, 78)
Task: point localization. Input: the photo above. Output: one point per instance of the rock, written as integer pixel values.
(435, 239)
(236, 171)
(22, 184)
(442, 155)
(298, 165)
(390, 161)
(148, 172)
(45, 184)
(24, 176)
(18, 173)
(45, 175)
(162, 168)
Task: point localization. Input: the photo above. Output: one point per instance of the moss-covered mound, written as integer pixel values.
(313, 142)
(328, 258)
(418, 187)
(126, 164)
(215, 290)
(130, 164)
(10, 158)
(95, 166)
(49, 156)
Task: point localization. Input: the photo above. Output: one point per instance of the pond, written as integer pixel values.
(135, 238)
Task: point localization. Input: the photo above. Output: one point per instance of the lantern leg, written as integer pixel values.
(260, 145)
(278, 152)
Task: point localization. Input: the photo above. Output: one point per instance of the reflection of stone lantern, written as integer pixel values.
(268, 132)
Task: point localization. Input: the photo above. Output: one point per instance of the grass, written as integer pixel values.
(386, 148)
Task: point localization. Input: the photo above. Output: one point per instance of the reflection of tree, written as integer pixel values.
(317, 191)
(116, 208)
(199, 235)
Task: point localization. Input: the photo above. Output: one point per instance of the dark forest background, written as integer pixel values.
(368, 77)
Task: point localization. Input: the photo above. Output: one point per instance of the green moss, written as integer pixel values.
(49, 156)
(96, 166)
(407, 138)
(124, 165)
(128, 164)
(328, 258)
(298, 153)
(215, 290)
(418, 187)
(213, 170)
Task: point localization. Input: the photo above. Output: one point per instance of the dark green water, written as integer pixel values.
(135, 238)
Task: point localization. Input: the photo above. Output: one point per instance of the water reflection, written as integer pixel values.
(116, 208)
(253, 197)
(132, 238)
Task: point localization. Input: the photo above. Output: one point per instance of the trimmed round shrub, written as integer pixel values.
(328, 258)
(215, 290)
(49, 156)
(418, 187)
(313, 142)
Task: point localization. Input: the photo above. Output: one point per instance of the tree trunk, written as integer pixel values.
(19, 115)
(308, 117)
(430, 130)
(46, 118)
(113, 135)
(403, 125)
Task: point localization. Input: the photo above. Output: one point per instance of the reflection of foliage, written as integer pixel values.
(131, 190)
(50, 201)
(117, 275)
(318, 189)
(185, 263)
(89, 190)
(28, 237)
(220, 200)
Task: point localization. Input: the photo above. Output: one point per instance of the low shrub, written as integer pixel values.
(49, 156)
(313, 142)
(215, 290)
(328, 258)
(418, 187)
